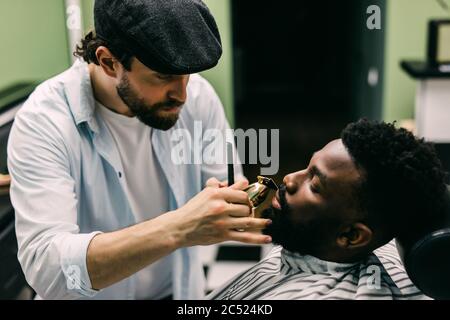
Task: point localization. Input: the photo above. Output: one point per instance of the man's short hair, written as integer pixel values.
(89, 45)
(403, 188)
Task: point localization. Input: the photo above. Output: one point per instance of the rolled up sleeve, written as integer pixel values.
(52, 251)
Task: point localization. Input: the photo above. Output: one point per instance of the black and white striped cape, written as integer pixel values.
(283, 275)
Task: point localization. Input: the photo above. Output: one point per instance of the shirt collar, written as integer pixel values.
(293, 263)
(80, 95)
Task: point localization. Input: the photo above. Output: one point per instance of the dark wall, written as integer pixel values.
(302, 67)
(307, 55)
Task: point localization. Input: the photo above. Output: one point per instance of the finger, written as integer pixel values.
(249, 223)
(248, 237)
(5, 180)
(238, 210)
(235, 196)
(257, 231)
(212, 183)
(240, 184)
(224, 184)
(215, 183)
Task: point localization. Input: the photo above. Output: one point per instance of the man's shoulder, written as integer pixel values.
(48, 102)
(47, 96)
(389, 253)
(393, 267)
(46, 112)
(202, 98)
(199, 85)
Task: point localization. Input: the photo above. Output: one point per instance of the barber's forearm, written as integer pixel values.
(114, 256)
(212, 216)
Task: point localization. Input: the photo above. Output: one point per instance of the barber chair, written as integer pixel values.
(427, 260)
(12, 280)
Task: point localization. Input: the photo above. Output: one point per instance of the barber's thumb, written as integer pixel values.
(240, 184)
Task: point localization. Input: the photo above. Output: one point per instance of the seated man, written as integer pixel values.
(358, 193)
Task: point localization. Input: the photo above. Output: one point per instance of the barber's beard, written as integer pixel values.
(148, 114)
(302, 238)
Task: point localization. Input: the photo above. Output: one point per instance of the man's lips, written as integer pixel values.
(172, 109)
(276, 201)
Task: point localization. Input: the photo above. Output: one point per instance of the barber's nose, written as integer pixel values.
(293, 181)
(179, 89)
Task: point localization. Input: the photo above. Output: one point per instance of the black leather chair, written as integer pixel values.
(427, 260)
(12, 281)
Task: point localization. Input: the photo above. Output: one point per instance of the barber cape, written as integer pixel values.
(284, 275)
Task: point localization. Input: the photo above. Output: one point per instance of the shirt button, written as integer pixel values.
(120, 174)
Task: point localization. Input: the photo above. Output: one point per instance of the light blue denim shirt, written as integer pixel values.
(67, 186)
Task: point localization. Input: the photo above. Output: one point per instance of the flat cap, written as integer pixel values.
(168, 36)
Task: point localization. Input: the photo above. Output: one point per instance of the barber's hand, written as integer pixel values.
(215, 183)
(5, 181)
(215, 214)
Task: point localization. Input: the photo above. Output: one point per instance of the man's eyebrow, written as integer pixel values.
(322, 177)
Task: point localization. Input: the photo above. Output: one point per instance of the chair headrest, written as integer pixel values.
(427, 261)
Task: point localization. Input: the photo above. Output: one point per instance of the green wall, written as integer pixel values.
(88, 14)
(34, 46)
(33, 40)
(34, 33)
(406, 27)
(221, 77)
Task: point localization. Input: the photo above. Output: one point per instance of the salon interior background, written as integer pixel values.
(268, 68)
(299, 66)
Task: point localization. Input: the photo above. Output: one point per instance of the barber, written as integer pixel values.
(102, 210)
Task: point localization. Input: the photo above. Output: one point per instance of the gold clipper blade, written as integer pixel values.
(258, 191)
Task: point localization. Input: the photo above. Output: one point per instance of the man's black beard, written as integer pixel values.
(296, 237)
(147, 114)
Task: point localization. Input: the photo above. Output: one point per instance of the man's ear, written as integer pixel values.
(354, 236)
(107, 62)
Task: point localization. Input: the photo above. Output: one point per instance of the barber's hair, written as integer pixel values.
(403, 188)
(89, 45)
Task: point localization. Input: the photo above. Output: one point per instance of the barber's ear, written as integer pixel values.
(107, 62)
(354, 236)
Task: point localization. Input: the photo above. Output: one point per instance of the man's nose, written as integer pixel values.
(293, 181)
(178, 90)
